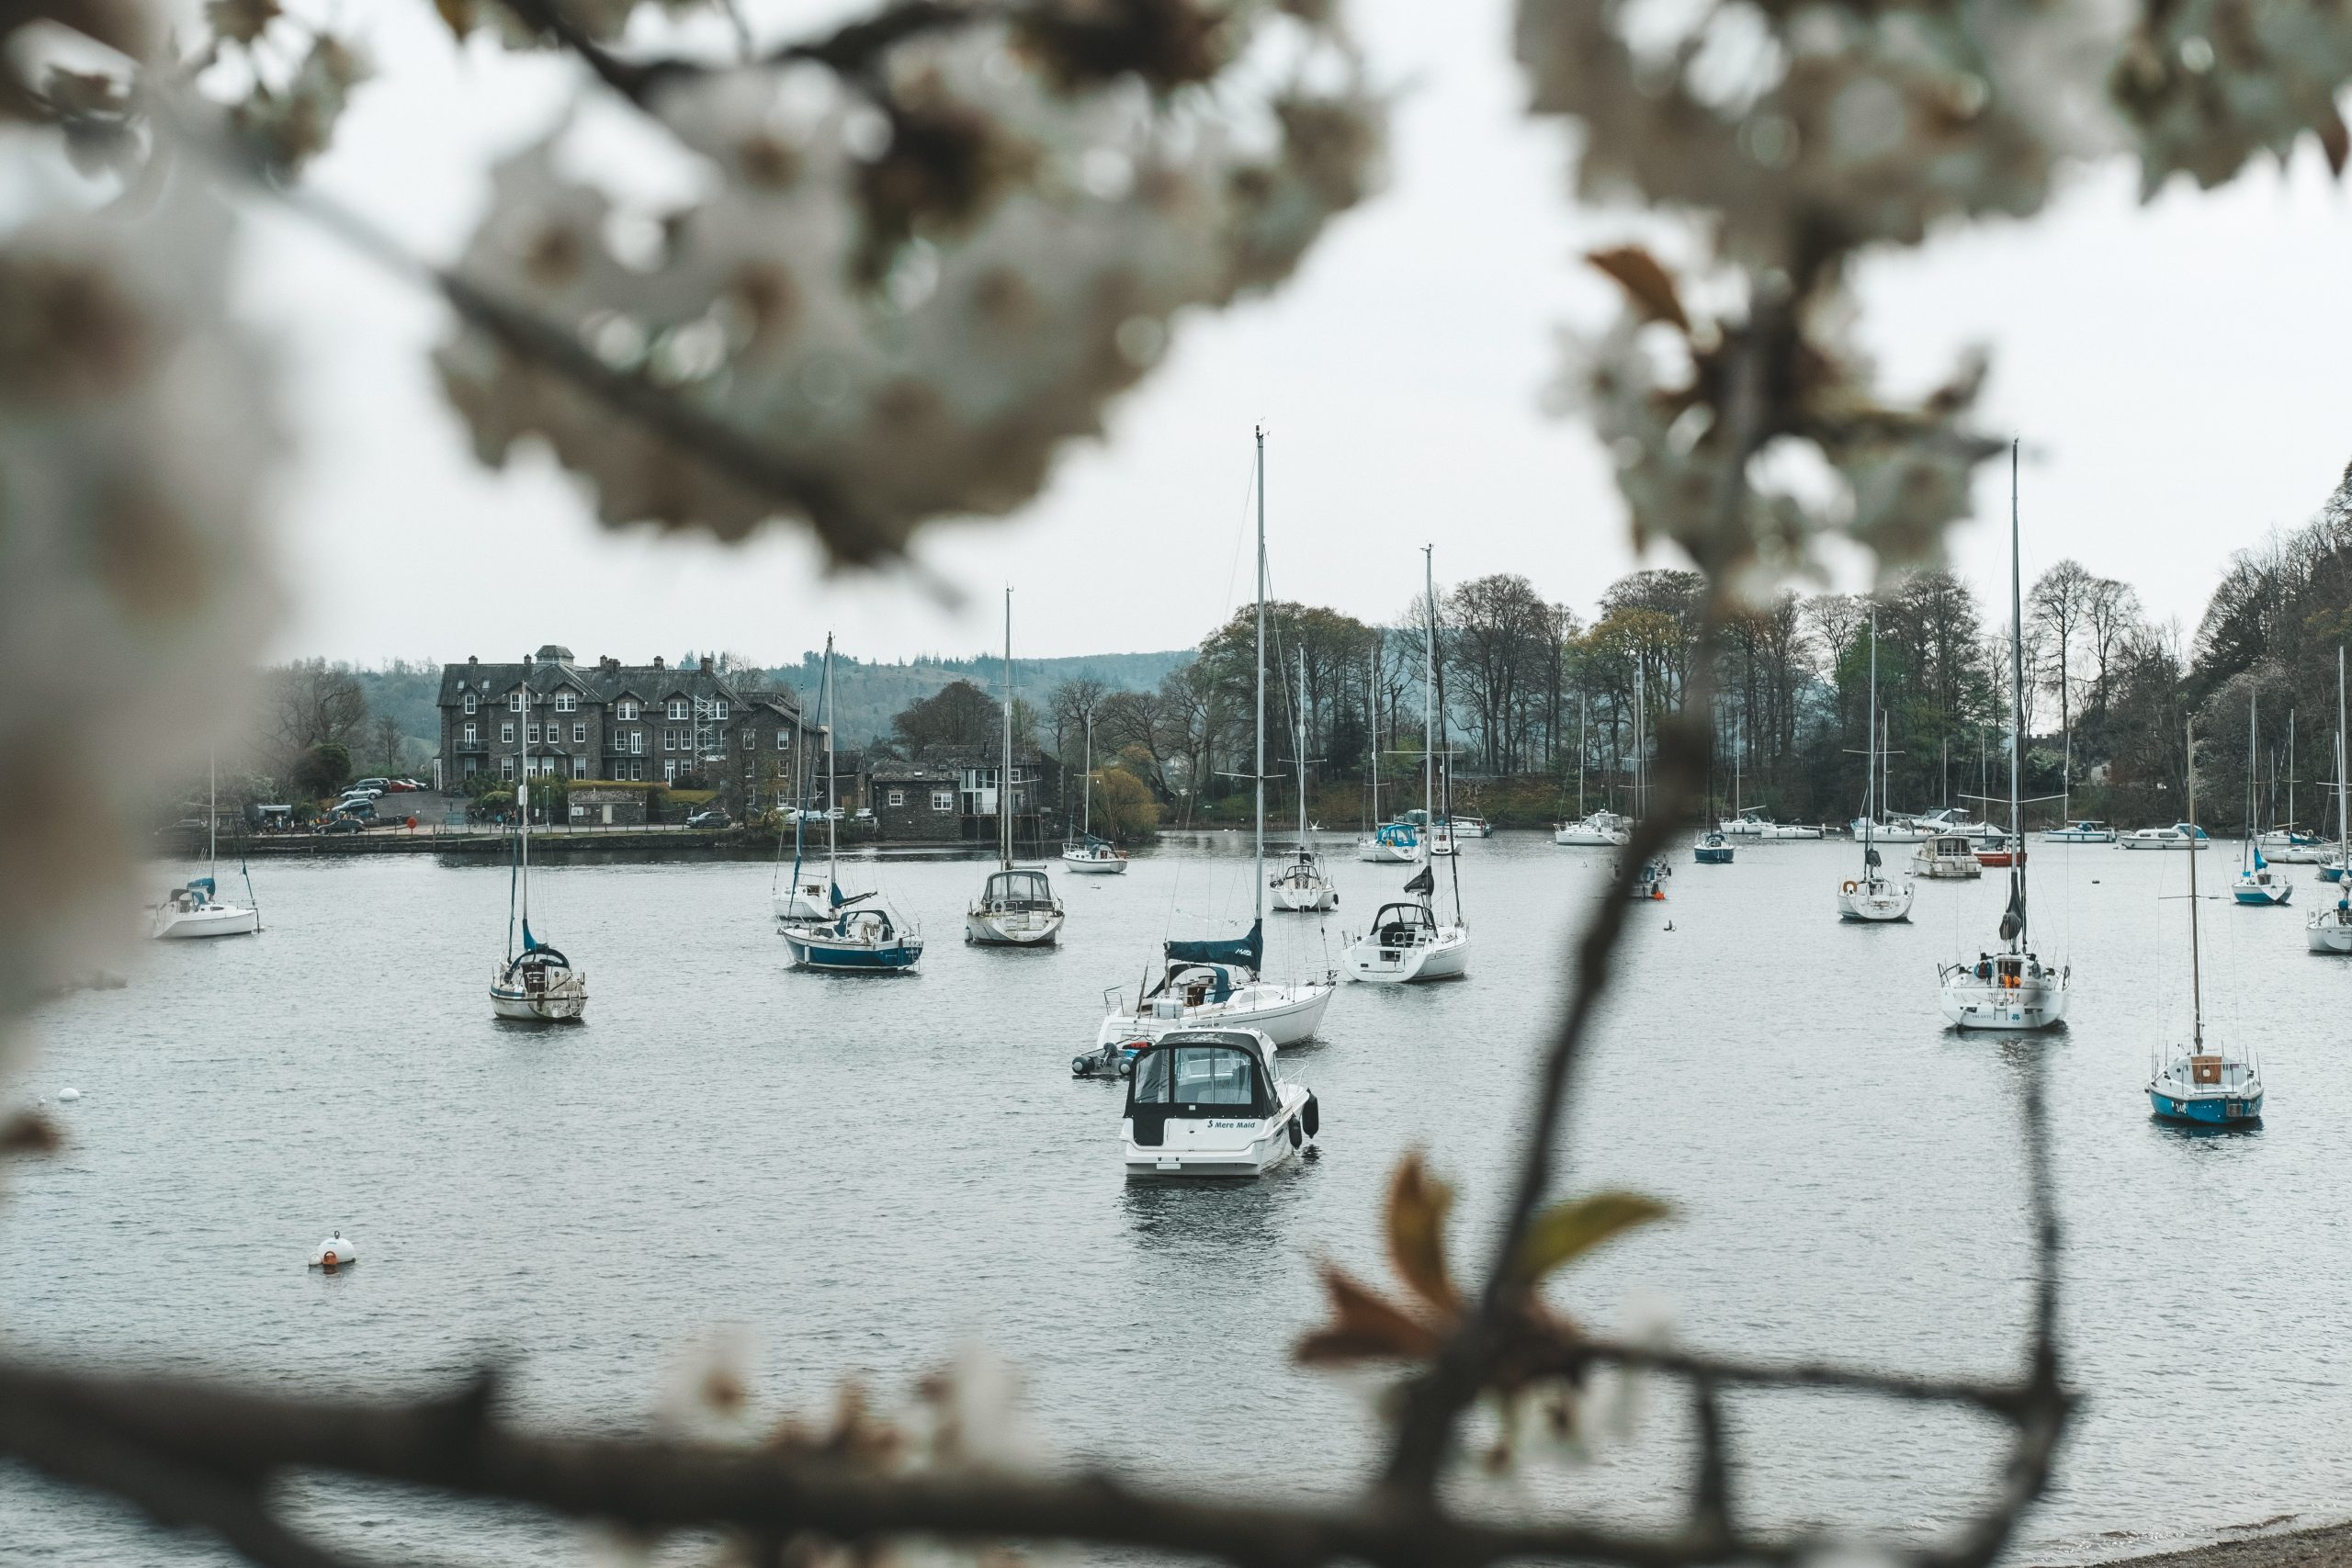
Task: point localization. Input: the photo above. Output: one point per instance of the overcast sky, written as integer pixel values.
(2183, 368)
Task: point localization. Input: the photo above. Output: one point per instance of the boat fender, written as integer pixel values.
(1310, 1116)
(1850, 888)
(1297, 1137)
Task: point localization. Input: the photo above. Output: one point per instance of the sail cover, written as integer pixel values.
(530, 942)
(1248, 950)
(1423, 883)
(2013, 918)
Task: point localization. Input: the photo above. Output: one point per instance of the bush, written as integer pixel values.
(323, 770)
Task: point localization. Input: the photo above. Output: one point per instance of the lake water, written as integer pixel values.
(860, 1177)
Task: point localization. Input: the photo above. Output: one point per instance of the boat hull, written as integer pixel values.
(217, 919)
(1287, 1015)
(1025, 928)
(1447, 958)
(1581, 837)
(1087, 865)
(1198, 1149)
(2206, 1110)
(564, 1003)
(1386, 854)
(2328, 934)
(1874, 903)
(1306, 900)
(813, 950)
(2274, 894)
(1716, 856)
(1970, 1003)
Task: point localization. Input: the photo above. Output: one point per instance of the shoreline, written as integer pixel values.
(2257, 1546)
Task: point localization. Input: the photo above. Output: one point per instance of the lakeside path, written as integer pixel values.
(2326, 1546)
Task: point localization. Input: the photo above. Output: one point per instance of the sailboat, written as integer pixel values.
(538, 982)
(2288, 844)
(2330, 928)
(1596, 829)
(195, 908)
(1015, 907)
(1301, 887)
(1387, 843)
(1408, 941)
(2258, 885)
(1218, 983)
(1874, 896)
(2012, 988)
(2211, 1087)
(876, 940)
(809, 896)
(1086, 854)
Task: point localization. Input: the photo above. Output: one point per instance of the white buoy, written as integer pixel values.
(338, 1251)
(68, 1096)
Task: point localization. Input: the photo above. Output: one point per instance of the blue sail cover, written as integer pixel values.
(205, 883)
(1248, 950)
(530, 942)
(838, 900)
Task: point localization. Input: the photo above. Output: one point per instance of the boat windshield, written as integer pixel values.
(1020, 888)
(1183, 1077)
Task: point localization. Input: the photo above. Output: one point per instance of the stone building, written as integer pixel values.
(625, 722)
(950, 796)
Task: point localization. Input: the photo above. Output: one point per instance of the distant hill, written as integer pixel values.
(867, 696)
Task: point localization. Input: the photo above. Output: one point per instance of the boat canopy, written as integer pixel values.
(1249, 950)
(1014, 889)
(1211, 1073)
(1398, 835)
(1399, 924)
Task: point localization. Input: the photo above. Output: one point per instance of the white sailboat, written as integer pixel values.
(847, 938)
(2330, 928)
(2258, 886)
(195, 908)
(1407, 943)
(2011, 989)
(807, 897)
(1087, 854)
(536, 983)
(1015, 907)
(1874, 896)
(1600, 829)
(1301, 887)
(1387, 843)
(2207, 1087)
(1219, 984)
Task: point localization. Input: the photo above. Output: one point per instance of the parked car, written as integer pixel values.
(356, 792)
(709, 816)
(399, 786)
(363, 809)
(376, 784)
(344, 825)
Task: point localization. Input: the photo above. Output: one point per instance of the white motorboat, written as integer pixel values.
(2179, 835)
(1407, 943)
(1301, 887)
(1601, 830)
(2207, 1087)
(846, 939)
(2329, 930)
(1873, 896)
(1212, 1102)
(1086, 855)
(1889, 830)
(1469, 826)
(537, 983)
(195, 908)
(2081, 831)
(1649, 881)
(1956, 819)
(2011, 989)
(1221, 983)
(1014, 908)
(1948, 857)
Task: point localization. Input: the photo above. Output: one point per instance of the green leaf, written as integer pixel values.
(1569, 1229)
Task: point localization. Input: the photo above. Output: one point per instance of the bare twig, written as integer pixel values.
(1710, 1489)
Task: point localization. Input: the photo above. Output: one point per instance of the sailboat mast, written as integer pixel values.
(1004, 785)
(2017, 704)
(1299, 702)
(2251, 774)
(1260, 771)
(2196, 975)
(212, 809)
(523, 802)
(1870, 758)
(1371, 723)
(1086, 824)
(2343, 833)
(1584, 748)
(832, 844)
(1429, 693)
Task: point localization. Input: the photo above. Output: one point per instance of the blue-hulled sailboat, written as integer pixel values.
(870, 941)
(2214, 1088)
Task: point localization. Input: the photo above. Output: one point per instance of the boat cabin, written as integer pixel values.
(535, 969)
(1199, 1074)
(197, 895)
(1011, 892)
(1188, 984)
(1398, 835)
(1403, 925)
(2009, 971)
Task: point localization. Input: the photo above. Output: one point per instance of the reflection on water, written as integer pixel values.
(863, 1177)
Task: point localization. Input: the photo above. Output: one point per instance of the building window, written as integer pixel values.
(629, 710)
(473, 765)
(677, 707)
(718, 712)
(567, 702)
(636, 742)
(514, 702)
(784, 739)
(470, 701)
(579, 733)
(469, 741)
(636, 772)
(670, 773)
(898, 797)
(531, 735)
(580, 767)
(506, 769)
(506, 733)
(943, 800)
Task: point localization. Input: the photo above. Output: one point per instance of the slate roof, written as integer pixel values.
(604, 683)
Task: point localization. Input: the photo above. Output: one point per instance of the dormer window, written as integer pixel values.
(718, 712)
(470, 701)
(514, 702)
(567, 702)
(678, 707)
(629, 710)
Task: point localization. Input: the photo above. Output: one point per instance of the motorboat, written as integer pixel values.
(1220, 982)
(1016, 906)
(1469, 826)
(2011, 989)
(1889, 830)
(1994, 853)
(1086, 855)
(1211, 1102)
(1873, 897)
(1711, 849)
(2198, 1086)
(1301, 887)
(1957, 819)
(846, 939)
(1791, 830)
(535, 984)
(2179, 835)
(1649, 881)
(196, 908)
(1749, 825)
(1746, 825)
(2084, 832)
(1947, 857)
(1600, 829)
